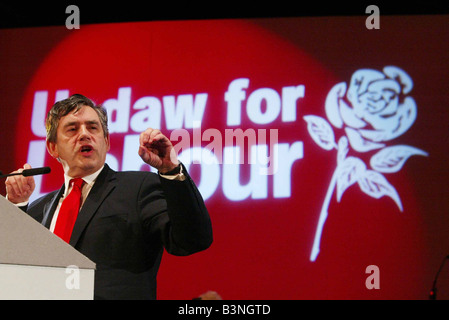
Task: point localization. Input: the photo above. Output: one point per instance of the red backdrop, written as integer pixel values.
(263, 240)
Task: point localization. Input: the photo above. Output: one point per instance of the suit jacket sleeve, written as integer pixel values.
(178, 216)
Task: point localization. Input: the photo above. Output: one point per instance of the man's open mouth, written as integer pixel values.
(86, 149)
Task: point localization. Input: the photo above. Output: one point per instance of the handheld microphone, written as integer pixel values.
(28, 172)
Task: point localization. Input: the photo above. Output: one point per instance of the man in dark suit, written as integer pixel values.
(126, 218)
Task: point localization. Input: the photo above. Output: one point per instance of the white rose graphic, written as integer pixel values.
(379, 109)
(374, 109)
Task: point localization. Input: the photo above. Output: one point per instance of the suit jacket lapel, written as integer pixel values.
(50, 207)
(104, 184)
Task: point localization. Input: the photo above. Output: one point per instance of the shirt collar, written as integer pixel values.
(90, 179)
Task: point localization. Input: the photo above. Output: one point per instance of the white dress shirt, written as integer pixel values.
(87, 186)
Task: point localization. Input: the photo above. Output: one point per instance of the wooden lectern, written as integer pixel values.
(35, 264)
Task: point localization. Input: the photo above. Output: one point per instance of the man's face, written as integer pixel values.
(80, 143)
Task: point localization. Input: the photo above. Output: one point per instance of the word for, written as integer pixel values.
(275, 104)
(372, 281)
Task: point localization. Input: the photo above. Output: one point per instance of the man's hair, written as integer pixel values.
(64, 107)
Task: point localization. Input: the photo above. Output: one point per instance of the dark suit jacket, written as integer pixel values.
(124, 224)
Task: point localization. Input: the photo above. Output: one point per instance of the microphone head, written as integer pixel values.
(46, 170)
(35, 171)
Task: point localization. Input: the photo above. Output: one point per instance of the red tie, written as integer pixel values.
(69, 211)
